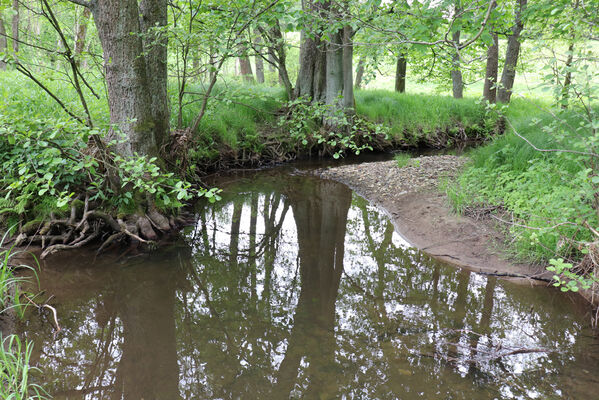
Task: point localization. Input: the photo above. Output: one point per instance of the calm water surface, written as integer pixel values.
(294, 287)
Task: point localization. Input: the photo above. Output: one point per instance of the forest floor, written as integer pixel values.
(423, 216)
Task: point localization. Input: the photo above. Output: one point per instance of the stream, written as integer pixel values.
(296, 287)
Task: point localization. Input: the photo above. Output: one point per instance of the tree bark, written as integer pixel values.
(348, 70)
(456, 73)
(258, 60)
(504, 92)
(3, 44)
(334, 75)
(400, 73)
(490, 88)
(245, 68)
(15, 26)
(129, 89)
(153, 18)
(359, 74)
(80, 33)
(568, 77)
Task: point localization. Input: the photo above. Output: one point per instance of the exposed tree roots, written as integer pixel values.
(86, 226)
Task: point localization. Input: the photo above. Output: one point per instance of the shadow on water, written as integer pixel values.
(294, 287)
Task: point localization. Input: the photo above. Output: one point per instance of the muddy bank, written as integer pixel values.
(423, 216)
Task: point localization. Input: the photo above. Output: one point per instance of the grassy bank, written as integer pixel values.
(543, 197)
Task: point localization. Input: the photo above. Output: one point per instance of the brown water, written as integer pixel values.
(294, 287)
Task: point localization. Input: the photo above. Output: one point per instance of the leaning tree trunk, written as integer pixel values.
(359, 74)
(3, 43)
(456, 73)
(490, 88)
(400, 73)
(508, 75)
(129, 88)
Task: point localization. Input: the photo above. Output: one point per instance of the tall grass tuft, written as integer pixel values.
(15, 371)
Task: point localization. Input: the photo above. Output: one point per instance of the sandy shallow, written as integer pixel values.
(422, 214)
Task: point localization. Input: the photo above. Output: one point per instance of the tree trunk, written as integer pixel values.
(245, 69)
(3, 44)
(258, 60)
(129, 89)
(80, 33)
(400, 73)
(508, 75)
(359, 74)
(568, 78)
(334, 76)
(456, 73)
(153, 17)
(348, 70)
(15, 26)
(490, 88)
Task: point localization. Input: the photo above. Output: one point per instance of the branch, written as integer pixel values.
(582, 153)
(83, 3)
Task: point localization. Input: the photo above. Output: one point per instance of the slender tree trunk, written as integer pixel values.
(15, 26)
(568, 77)
(504, 92)
(80, 33)
(359, 74)
(490, 88)
(3, 44)
(456, 73)
(258, 60)
(129, 89)
(400, 73)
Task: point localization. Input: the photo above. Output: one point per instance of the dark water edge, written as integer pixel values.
(295, 287)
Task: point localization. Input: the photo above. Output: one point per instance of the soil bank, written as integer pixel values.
(422, 214)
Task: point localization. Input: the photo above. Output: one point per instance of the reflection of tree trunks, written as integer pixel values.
(252, 244)
(149, 358)
(485, 319)
(321, 218)
(234, 241)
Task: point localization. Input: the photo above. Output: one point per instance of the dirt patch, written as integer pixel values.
(423, 216)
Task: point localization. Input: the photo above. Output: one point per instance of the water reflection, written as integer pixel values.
(292, 287)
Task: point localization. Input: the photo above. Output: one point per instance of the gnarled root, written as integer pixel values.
(67, 234)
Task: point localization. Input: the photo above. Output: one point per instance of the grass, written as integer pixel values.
(418, 116)
(406, 160)
(548, 195)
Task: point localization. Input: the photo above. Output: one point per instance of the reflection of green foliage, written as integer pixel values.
(240, 331)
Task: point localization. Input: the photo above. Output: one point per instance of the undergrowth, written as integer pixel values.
(543, 198)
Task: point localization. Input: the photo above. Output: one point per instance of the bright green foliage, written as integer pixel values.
(352, 134)
(548, 194)
(46, 163)
(568, 280)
